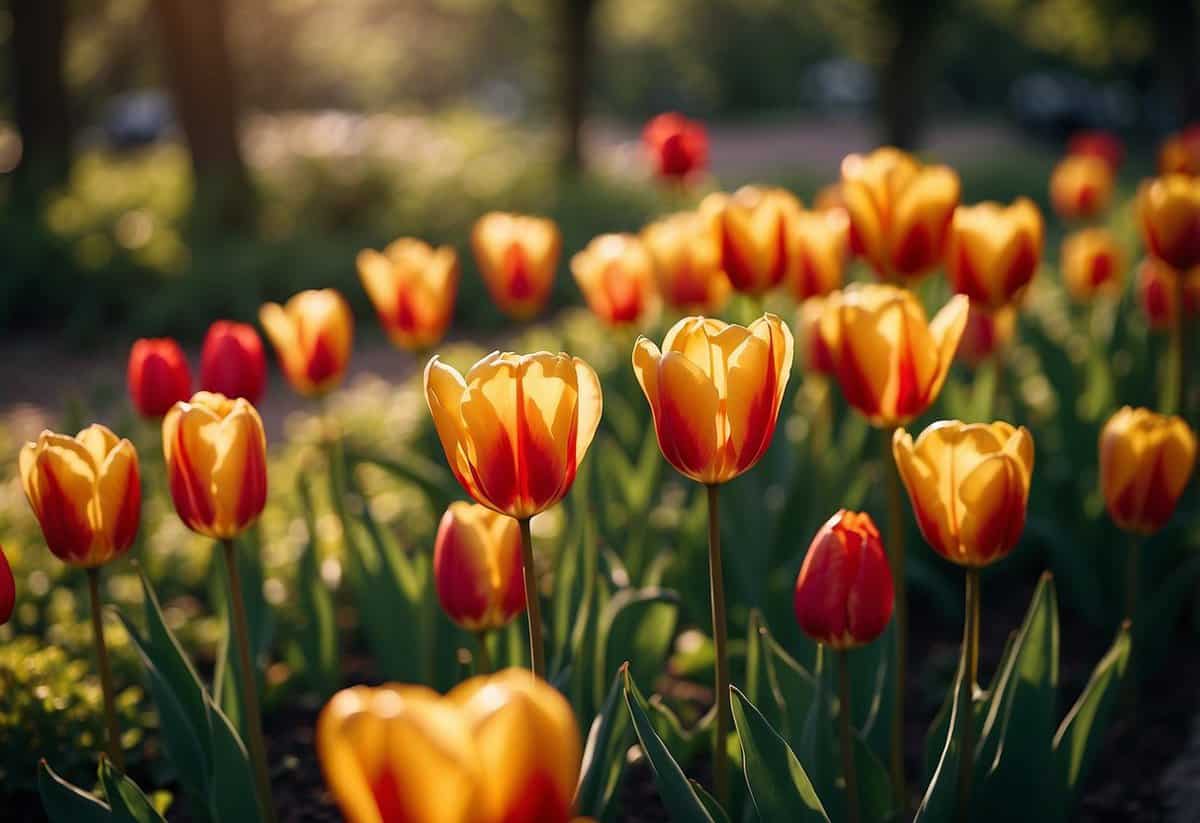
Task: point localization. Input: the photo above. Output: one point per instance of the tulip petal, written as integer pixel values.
(119, 496)
(992, 510)
(548, 398)
(590, 405)
(444, 388)
(63, 477)
(689, 411)
(930, 505)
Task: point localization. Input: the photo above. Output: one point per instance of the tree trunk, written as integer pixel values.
(902, 80)
(1176, 42)
(41, 108)
(201, 74)
(576, 17)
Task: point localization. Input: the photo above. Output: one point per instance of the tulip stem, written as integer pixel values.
(106, 685)
(1132, 585)
(537, 650)
(895, 553)
(483, 660)
(970, 673)
(247, 674)
(1177, 390)
(848, 768)
(720, 643)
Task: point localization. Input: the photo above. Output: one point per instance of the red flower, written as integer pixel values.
(232, 362)
(678, 147)
(158, 375)
(8, 589)
(1098, 143)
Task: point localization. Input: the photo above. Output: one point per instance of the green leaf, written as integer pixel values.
(938, 804)
(680, 799)
(129, 805)
(431, 477)
(233, 795)
(637, 626)
(604, 754)
(710, 803)
(779, 787)
(65, 803)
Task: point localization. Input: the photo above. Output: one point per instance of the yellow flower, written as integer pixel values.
(753, 228)
(312, 335)
(1146, 460)
(994, 251)
(517, 256)
(412, 286)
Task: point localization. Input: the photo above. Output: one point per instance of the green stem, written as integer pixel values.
(848, 769)
(106, 685)
(253, 725)
(533, 608)
(483, 660)
(720, 643)
(1132, 590)
(1176, 401)
(895, 551)
(966, 767)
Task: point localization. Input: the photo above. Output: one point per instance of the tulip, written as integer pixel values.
(477, 567)
(8, 589)
(412, 287)
(312, 334)
(1158, 285)
(517, 256)
(615, 272)
(820, 241)
(232, 362)
(753, 228)
(677, 146)
(1180, 153)
(1145, 462)
(817, 358)
(987, 332)
(890, 362)
(687, 261)
(830, 198)
(1081, 186)
(1169, 213)
(1092, 264)
(899, 210)
(86, 493)
(215, 450)
(994, 250)
(158, 375)
(1097, 143)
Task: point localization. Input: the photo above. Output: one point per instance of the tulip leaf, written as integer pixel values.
(319, 640)
(938, 804)
(65, 803)
(604, 754)
(638, 626)
(778, 784)
(431, 477)
(710, 803)
(128, 803)
(680, 799)
(233, 794)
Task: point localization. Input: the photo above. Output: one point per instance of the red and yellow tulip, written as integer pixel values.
(753, 227)
(994, 251)
(820, 242)
(412, 287)
(1169, 214)
(987, 332)
(687, 261)
(677, 146)
(1180, 153)
(615, 272)
(1157, 287)
(477, 567)
(517, 256)
(1092, 264)
(8, 589)
(312, 334)
(1146, 460)
(1081, 186)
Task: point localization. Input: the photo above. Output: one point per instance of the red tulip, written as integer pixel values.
(158, 375)
(1098, 143)
(232, 362)
(8, 589)
(678, 147)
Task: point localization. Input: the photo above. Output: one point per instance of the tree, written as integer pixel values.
(40, 92)
(576, 50)
(902, 83)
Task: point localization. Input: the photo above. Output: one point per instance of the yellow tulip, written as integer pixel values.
(753, 228)
(412, 287)
(516, 428)
(312, 334)
(687, 260)
(994, 251)
(1169, 213)
(1081, 186)
(1146, 460)
(969, 487)
(216, 455)
(615, 272)
(517, 257)
(85, 492)
(714, 391)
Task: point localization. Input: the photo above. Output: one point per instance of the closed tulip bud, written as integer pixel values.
(517, 256)
(1146, 460)
(753, 227)
(687, 260)
(516, 428)
(969, 487)
(1169, 213)
(714, 391)
(820, 242)
(412, 287)
(232, 361)
(817, 359)
(1081, 186)
(987, 332)
(889, 360)
(8, 590)
(677, 146)
(1092, 264)
(994, 251)
(86, 493)
(158, 375)
(216, 455)
(843, 595)
(477, 567)
(1157, 285)
(899, 210)
(312, 334)
(1098, 143)
(615, 272)
(1180, 153)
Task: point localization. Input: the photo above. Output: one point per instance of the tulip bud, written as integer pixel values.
(687, 260)
(1157, 286)
(412, 287)
(86, 493)
(1180, 153)
(987, 332)
(994, 251)
(1098, 143)
(1081, 186)
(477, 567)
(1169, 213)
(889, 360)
(517, 257)
(817, 358)
(715, 391)
(1092, 263)
(312, 334)
(753, 228)
(820, 242)
(616, 275)
(8, 590)
(844, 594)
(899, 210)
(216, 456)
(517, 427)
(158, 375)
(1145, 462)
(969, 487)
(677, 146)
(232, 362)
